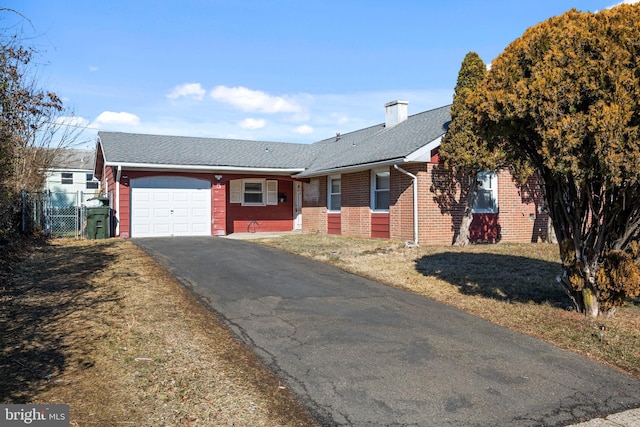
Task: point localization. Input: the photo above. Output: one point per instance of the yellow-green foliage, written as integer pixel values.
(563, 101)
(571, 265)
(619, 277)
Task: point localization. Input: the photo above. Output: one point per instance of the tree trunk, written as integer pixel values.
(590, 302)
(551, 232)
(467, 218)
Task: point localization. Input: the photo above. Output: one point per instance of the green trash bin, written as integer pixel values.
(98, 225)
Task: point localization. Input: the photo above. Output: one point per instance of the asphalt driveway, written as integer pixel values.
(359, 353)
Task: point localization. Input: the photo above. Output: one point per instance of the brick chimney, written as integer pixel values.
(395, 112)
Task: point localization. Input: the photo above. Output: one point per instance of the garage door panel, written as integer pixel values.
(181, 213)
(199, 197)
(170, 206)
(200, 213)
(181, 197)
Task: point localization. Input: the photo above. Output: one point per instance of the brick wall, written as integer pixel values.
(314, 205)
(440, 208)
(520, 218)
(401, 202)
(356, 210)
(520, 215)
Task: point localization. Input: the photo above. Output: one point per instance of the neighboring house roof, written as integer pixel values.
(410, 140)
(72, 159)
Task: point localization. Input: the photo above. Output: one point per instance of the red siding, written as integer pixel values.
(240, 219)
(218, 207)
(225, 217)
(334, 223)
(380, 225)
(254, 226)
(484, 228)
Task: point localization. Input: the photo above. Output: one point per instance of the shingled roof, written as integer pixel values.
(363, 147)
(73, 159)
(378, 143)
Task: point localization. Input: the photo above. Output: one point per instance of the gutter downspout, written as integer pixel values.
(415, 204)
(118, 175)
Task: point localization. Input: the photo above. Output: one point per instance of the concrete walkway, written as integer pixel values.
(629, 418)
(359, 353)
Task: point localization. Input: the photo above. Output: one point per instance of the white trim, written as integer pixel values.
(354, 168)
(262, 183)
(187, 168)
(415, 201)
(373, 189)
(118, 176)
(329, 193)
(423, 154)
(493, 182)
(297, 205)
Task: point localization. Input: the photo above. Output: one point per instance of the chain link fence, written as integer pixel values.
(55, 214)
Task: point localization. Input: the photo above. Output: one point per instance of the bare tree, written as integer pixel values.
(31, 131)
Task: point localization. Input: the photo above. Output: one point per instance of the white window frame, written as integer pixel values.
(245, 192)
(268, 187)
(375, 191)
(66, 180)
(487, 182)
(330, 192)
(91, 183)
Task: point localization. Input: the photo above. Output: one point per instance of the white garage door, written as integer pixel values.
(170, 206)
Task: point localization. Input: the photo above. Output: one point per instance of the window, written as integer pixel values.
(66, 178)
(253, 192)
(334, 192)
(380, 184)
(487, 198)
(91, 184)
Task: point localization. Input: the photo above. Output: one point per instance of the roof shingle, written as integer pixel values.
(374, 144)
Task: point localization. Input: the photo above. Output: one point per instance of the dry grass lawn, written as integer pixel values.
(509, 284)
(99, 326)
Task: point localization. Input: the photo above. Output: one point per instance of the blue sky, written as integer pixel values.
(281, 70)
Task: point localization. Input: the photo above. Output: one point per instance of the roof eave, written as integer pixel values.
(423, 154)
(203, 168)
(352, 168)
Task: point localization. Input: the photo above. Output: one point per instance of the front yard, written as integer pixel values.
(100, 326)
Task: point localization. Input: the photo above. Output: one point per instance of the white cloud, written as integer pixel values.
(254, 100)
(303, 130)
(624, 2)
(188, 90)
(93, 68)
(250, 123)
(73, 121)
(113, 118)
